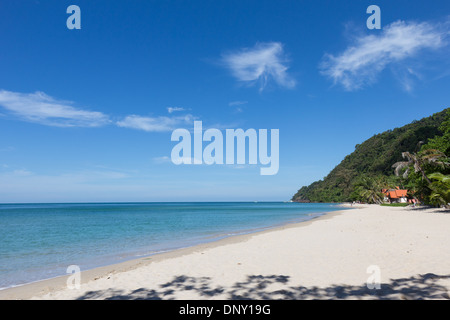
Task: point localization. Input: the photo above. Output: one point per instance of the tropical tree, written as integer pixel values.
(419, 160)
(441, 142)
(368, 189)
(440, 189)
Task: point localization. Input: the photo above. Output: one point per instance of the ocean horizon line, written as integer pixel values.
(138, 202)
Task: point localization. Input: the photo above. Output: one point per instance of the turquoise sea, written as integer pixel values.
(39, 241)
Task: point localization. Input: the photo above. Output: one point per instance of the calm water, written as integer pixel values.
(39, 241)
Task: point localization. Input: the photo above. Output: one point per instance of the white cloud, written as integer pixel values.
(406, 77)
(7, 170)
(7, 149)
(79, 177)
(20, 186)
(155, 124)
(41, 108)
(261, 63)
(163, 159)
(22, 172)
(237, 103)
(174, 109)
(104, 175)
(360, 64)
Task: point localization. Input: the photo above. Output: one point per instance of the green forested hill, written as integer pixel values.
(373, 157)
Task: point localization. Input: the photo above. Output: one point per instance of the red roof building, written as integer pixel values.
(396, 195)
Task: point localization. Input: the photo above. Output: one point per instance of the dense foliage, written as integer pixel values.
(428, 173)
(363, 173)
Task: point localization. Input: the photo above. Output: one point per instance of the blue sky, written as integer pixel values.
(87, 115)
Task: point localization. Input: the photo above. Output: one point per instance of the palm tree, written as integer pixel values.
(440, 177)
(440, 188)
(369, 189)
(418, 160)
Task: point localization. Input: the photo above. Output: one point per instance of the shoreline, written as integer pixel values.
(45, 286)
(332, 258)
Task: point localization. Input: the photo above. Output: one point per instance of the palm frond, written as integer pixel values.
(398, 166)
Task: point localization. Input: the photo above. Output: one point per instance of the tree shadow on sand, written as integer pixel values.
(429, 209)
(257, 287)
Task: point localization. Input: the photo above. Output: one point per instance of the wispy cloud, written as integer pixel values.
(7, 149)
(360, 64)
(406, 76)
(185, 160)
(174, 109)
(155, 124)
(237, 103)
(262, 63)
(22, 172)
(163, 159)
(41, 108)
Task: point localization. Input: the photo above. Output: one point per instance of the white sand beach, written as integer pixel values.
(326, 258)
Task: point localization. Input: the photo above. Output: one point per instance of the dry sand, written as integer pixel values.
(326, 258)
